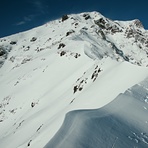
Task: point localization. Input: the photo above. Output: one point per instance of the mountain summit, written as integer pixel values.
(85, 68)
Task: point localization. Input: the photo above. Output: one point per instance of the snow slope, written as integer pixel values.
(110, 126)
(81, 61)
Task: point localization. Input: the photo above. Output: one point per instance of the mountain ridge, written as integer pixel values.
(80, 61)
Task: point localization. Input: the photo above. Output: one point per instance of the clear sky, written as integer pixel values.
(20, 15)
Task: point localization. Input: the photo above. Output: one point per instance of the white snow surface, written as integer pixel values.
(63, 66)
(110, 126)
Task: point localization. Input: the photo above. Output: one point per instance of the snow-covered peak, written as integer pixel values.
(79, 61)
(122, 40)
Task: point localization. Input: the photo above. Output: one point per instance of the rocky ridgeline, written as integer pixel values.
(102, 26)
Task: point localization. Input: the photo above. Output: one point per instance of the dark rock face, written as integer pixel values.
(104, 23)
(86, 16)
(70, 32)
(33, 39)
(61, 45)
(13, 42)
(62, 53)
(2, 51)
(3, 54)
(138, 23)
(64, 17)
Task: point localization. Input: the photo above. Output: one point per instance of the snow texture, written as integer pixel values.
(78, 62)
(122, 123)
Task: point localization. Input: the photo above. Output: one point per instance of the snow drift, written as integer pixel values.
(122, 123)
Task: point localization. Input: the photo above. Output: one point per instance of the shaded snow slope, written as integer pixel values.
(122, 123)
(81, 61)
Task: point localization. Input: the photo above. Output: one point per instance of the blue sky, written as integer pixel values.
(20, 15)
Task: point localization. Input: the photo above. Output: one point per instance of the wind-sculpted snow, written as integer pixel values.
(120, 124)
(79, 61)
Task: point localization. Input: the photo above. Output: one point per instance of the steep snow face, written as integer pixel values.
(81, 61)
(110, 126)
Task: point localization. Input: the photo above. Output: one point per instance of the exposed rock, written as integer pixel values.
(62, 53)
(77, 55)
(33, 39)
(13, 42)
(100, 32)
(86, 16)
(61, 45)
(97, 22)
(75, 89)
(70, 32)
(2, 51)
(138, 23)
(64, 17)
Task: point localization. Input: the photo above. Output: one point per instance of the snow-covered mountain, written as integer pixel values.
(79, 81)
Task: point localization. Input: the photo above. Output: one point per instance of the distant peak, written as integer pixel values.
(138, 23)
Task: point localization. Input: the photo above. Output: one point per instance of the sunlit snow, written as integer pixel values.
(73, 78)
